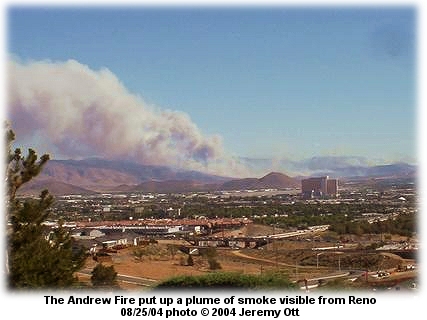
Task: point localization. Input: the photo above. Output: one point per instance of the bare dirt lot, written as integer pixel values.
(160, 268)
(292, 257)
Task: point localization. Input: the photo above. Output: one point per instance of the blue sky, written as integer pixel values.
(271, 82)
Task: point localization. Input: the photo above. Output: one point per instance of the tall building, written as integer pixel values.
(332, 187)
(319, 187)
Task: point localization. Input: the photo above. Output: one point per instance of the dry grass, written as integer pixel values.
(294, 258)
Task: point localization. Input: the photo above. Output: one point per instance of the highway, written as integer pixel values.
(294, 233)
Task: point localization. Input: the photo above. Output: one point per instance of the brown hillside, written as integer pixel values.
(57, 188)
(273, 180)
(86, 177)
(279, 180)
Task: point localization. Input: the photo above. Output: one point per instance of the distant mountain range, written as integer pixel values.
(62, 177)
(97, 175)
(334, 166)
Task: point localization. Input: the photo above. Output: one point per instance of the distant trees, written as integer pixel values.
(36, 257)
(404, 225)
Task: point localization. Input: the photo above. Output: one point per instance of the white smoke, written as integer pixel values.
(81, 112)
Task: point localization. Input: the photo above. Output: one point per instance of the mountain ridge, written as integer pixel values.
(98, 175)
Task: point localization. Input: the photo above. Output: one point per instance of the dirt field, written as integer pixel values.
(161, 267)
(292, 257)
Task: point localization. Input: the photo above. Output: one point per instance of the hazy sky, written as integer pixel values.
(270, 82)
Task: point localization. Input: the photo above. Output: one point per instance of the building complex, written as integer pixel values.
(319, 187)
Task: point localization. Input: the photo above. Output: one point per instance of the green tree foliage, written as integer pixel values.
(227, 280)
(20, 169)
(404, 225)
(103, 276)
(36, 256)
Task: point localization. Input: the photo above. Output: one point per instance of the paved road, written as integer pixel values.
(311, 280)
(242, 255)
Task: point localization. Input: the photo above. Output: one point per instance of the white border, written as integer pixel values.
(393, 306)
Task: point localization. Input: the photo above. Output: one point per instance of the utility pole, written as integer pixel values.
(275, 246)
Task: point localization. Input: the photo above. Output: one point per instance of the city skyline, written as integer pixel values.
(201, 88)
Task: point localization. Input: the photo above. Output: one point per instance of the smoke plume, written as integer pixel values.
(80, 112)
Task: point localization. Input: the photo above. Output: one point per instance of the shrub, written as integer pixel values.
(190, 261)
(103, 276)
(214, 264)
(230, 280)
